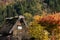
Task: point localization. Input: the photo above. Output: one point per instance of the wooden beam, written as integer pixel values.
(15, 17)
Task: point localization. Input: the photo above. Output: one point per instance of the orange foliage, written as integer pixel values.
(36, 18)
(51, 19)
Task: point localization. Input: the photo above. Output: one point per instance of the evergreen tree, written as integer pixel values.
(54, 5)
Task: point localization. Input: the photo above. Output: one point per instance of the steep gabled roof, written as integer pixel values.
(12, 23)
(8, 25)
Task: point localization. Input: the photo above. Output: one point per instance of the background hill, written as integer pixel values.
(11, 8)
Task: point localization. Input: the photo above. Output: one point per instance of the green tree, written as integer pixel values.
(2, 15)
(10, 11)
(54, 5)
(31, 6)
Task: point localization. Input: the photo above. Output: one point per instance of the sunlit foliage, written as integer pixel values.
(35, 30)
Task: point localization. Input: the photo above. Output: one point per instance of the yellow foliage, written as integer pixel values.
(28, 15)
(36, 18)
(35, 30)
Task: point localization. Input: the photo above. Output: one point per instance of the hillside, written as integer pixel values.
(6, 2)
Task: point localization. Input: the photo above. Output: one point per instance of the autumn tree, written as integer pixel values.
(36, 31)
(51, 22)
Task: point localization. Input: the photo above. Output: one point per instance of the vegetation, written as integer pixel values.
(49, 23)
(43, 17)
(37, 31)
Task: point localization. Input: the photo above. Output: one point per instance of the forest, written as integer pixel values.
(42, 16)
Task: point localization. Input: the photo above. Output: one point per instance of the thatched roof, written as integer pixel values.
(8, 25)
(11, 23)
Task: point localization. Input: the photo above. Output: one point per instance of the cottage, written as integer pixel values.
(15, 27)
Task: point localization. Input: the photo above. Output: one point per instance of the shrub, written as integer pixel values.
(37, 31)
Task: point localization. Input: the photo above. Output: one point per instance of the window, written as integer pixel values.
(19, 27)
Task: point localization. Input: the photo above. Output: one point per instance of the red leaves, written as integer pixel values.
(52, 19)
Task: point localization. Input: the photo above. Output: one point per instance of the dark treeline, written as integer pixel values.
(32, 6)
